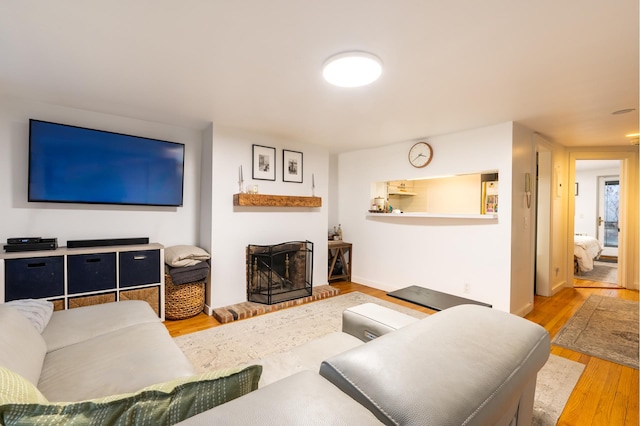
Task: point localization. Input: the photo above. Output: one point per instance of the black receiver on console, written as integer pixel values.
(107, 242)
(30, 244)
(23, 240)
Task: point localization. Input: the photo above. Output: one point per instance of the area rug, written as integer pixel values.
(248, 341)
(555, 383)
(605, 272)
(604, 327)
(245, 341)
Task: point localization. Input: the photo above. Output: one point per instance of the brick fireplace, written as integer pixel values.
(281, 272)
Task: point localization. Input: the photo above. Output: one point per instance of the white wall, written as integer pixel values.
(334, 191)
(443, 254)
(586, 202)
(165, 225)
(523, 225)
(233, 228)
(561, 275)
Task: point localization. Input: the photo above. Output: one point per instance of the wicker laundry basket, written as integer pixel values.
(182, 300)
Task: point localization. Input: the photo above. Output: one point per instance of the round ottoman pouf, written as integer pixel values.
(182, 300)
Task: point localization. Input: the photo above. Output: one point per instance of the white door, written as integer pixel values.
(608, 209)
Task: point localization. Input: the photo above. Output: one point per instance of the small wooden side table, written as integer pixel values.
(340, 250)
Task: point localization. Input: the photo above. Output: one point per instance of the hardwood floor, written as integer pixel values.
(606, 394)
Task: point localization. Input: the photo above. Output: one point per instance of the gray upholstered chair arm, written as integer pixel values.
(467, 365)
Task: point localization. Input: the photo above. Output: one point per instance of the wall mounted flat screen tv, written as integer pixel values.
(69, 164)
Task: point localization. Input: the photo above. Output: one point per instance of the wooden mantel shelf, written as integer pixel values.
(266, 200)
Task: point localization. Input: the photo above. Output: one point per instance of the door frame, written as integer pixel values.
(543, 226)
(628, 237)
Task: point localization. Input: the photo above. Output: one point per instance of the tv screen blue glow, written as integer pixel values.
(69, 164)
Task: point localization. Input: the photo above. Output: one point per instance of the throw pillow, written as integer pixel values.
(22, 348)
(38, 312)
(15, 389)
(184, 255)
(162, 404)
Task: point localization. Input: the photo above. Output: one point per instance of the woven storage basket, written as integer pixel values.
(182, 300)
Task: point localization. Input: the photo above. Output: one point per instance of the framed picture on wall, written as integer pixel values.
(291, 166)
(264, 163)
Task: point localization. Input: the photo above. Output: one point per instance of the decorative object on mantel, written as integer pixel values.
(240, 181)
(291, 166)
(266, 200)
(264, 162)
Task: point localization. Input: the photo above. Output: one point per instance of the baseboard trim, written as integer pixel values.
(556, 288)
(208, 310)
(522, 312)
(373, 284)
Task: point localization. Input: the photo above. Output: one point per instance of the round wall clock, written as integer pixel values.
(420, 154)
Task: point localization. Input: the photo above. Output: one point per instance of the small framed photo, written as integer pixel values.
(264, 162)
(576, 190)
(291, 166)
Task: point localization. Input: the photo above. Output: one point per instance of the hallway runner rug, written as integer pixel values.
(604, 327)
(250, 340)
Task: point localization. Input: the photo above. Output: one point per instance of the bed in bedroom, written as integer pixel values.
(585, 250)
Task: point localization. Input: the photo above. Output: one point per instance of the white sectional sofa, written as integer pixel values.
(466, 365)
(109, 364)
(93, 351)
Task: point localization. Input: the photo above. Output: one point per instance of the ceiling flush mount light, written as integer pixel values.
(352, 69)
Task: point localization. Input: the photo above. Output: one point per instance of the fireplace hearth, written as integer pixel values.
(281, 272)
